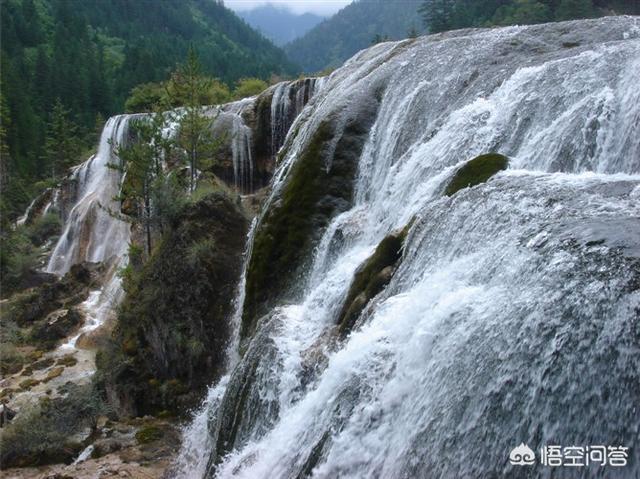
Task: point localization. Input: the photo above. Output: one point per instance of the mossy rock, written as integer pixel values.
(149, 434)
(318, 187)
(11, 365)
(28, 384)
(67, 360)
(371, 278)
(7, 393)
(476, 171)
(54, 373)
(42, 364)
(172, 328)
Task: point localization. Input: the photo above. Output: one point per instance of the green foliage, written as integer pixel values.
(172, 330)
(200, 251)
(247, 87)
(476, 171)
(145, 98)
(442, 15)
(11, 360)
(352, 29)
(43, 228)
(522, 12)
(190, 88)
(61, 148)
(18, 256)
(41, 433)
(67, 63)
(149, 434)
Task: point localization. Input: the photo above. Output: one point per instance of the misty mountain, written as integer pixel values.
(353, 28)
(279, 24)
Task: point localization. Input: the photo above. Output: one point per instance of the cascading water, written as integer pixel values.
(288, 101)
(241, 146)
(92, 230)
(513, 315)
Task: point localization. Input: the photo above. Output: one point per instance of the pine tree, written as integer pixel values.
(571, 9)
(61, 148)
(189, 87)
(437, 14)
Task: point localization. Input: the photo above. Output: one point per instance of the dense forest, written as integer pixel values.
(353, 28)
(442, 15)
(68, 65)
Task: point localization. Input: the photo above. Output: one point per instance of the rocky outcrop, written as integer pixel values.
(319, 186)
(49, 311)
(371, 278)
(476, 171)
(253, 130)
(173, 328)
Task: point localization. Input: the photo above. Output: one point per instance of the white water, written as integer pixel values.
(288, 101)
(92, 231)
(511, 317)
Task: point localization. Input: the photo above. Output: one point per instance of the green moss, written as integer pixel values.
(149, 434)
(172, 328)
(42, 364)
(28, 384)
(371, 278)
(54, 373)
(286, 233)
(476, 171)
(67, 360)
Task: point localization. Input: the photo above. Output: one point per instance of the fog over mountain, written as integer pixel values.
(279, 23)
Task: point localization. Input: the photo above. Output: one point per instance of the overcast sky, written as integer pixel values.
(321, 7)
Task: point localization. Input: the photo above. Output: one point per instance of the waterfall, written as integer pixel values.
(288, 101)
(241, 146)
(92, 232)
(512, 317)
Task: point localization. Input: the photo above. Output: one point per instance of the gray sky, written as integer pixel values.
(321, 7)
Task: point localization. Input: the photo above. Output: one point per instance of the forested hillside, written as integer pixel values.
(280, 24)
(353, 28)
(441, 15)
(67, 65)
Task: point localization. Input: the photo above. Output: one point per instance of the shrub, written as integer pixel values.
(149, 434)
(44, 228)
(247, 87)
(41, 433)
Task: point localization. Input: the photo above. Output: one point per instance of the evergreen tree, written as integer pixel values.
(189, 87)
(570, 9)
(61, 149)
(437, 14)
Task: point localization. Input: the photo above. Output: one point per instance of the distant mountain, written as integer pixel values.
(353, 28)
(89, 54)
(279, 24)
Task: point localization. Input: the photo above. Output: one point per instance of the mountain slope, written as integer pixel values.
(90, 54)
(279, 24)
(353, 28)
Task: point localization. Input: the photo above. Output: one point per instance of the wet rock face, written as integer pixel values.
(172, 331)
(370, 279)
(476, 171)
(318, 187)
